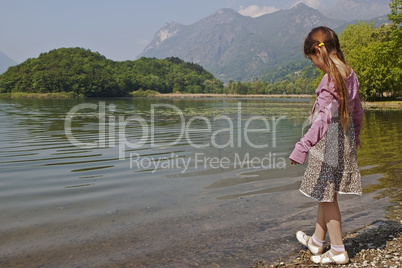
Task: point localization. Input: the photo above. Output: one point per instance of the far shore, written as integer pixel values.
(213, 95)
(380, 105)
(397, 105)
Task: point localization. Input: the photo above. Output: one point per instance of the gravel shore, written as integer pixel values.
(376, 245)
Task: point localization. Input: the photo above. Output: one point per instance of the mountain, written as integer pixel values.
(236, 47)
(5, 62)
(378, 21)
(358, 9)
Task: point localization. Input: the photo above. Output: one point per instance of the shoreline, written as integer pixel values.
(376, 105)
(392, 104)
(231, 96)
(380, 105)
(376, 244)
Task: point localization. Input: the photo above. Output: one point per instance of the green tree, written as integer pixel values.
(396, 14)
(376, 57)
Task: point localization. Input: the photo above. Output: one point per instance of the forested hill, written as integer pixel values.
(84, 73)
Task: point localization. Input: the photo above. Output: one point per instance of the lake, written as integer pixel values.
(168, 182)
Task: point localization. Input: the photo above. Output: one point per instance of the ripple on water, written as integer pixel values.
(58, 198)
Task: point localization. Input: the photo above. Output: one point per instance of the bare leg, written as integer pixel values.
(332, 216)
(321, 226)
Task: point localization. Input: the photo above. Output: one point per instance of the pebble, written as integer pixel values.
(381, 253)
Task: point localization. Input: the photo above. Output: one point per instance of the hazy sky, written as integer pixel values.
(118, 29)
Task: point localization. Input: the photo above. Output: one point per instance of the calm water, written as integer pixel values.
(161, 183)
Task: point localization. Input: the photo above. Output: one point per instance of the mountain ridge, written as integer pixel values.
(237, 47)
(5, 62)
(242, 48)
(358, 9)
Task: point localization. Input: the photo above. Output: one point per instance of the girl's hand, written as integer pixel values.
(292, 162)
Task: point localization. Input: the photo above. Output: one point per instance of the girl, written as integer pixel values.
(331, 142)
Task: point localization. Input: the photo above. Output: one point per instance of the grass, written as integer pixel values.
(383, 105)
(27, 95)
(144, 93)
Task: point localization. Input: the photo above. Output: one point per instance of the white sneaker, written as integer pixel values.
(307, 241)
(341, 258)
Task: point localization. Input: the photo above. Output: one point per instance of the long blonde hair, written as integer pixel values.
(326, 40)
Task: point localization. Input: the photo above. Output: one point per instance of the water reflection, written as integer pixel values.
(381, 140)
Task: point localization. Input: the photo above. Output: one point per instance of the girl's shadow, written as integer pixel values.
(373, 236)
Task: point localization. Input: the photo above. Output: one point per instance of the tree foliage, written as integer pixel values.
(396, 14)
(375, 54)
(90, 74)
(296, 78)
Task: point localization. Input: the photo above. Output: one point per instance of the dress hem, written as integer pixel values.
(323, 201)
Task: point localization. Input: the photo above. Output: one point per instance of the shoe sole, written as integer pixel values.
(342, 262)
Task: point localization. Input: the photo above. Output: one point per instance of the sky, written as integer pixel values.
(117, 29)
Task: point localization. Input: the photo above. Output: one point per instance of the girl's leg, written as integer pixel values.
(321, 225)
(332, 216)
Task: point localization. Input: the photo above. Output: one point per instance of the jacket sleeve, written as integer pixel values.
(326, 105)
(358, 119)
